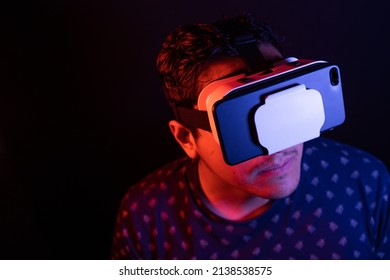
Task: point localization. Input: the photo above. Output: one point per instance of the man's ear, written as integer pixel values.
(184, 137)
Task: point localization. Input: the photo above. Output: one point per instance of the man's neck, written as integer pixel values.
(228, 201)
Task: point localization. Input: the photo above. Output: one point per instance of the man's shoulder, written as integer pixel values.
(327, 152)
(329, 148)
(165, 181)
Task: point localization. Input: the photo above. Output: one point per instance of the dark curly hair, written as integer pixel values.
(189, 48)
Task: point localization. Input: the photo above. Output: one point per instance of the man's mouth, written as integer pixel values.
(277, 163)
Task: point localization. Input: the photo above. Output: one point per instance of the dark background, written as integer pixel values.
(82, 115)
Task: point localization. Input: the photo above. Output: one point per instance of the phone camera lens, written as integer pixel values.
(334, 76)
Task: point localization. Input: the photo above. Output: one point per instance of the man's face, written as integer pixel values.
(273, 176)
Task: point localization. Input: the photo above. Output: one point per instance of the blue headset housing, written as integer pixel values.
(307, 99)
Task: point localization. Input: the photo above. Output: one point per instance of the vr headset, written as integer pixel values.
(270, 110)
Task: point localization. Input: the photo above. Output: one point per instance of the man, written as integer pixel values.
(315, 200)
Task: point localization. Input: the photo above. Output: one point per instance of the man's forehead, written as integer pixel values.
(220, 69)
(231, 66)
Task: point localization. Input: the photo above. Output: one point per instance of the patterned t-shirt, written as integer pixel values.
(340, 210)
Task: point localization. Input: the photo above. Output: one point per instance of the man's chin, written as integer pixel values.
(278, 191)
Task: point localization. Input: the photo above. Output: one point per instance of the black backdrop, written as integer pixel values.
(82, 115)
